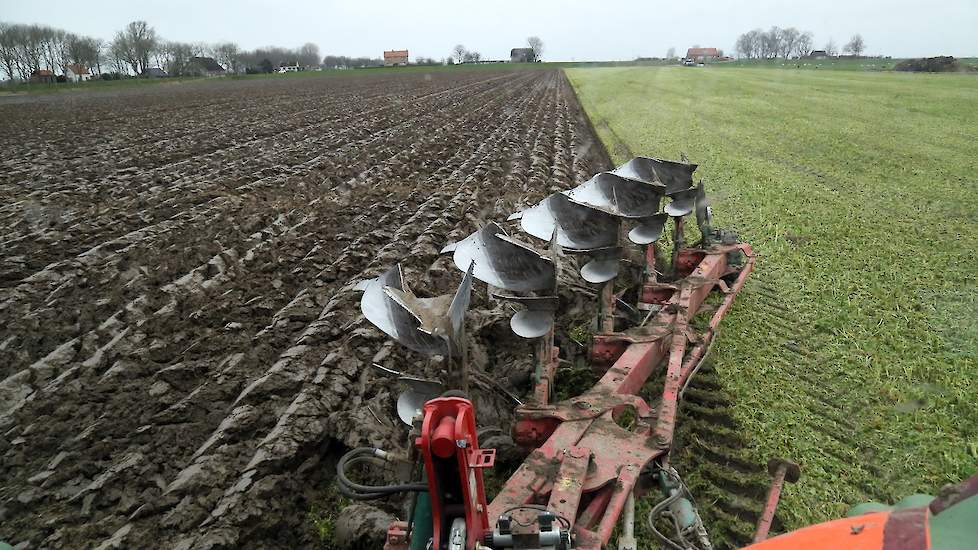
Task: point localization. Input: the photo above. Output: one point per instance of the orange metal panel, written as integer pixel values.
(859, 533)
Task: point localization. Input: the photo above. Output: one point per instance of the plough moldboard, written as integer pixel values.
(585, 469)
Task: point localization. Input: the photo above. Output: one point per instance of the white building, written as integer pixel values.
(77, 73)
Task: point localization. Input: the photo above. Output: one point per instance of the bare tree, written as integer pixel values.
(804, 44)
(98, 48)
(308, 55)
(32, 50)
(750, 45)
(84, 51)
(742, 47)
(773, 43)
(8, 49)
(536, 45)
(788, 42)
(118, 55)
(856, 46)
(177, 58)
(831, 49)
(671, 53)
(472, 57)
(458, 52)
(137, 42)
(228, 53)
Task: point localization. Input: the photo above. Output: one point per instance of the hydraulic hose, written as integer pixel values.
(359, 491)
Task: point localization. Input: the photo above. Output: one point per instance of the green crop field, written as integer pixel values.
(854, 349)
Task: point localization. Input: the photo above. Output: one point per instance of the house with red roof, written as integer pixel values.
(702, 55)
(77, 73)
(43, 76)
(393, 58)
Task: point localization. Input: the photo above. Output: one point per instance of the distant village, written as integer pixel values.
(45, 55)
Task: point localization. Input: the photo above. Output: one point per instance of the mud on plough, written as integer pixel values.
(585, 470)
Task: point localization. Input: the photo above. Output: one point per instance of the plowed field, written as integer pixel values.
(182, 353)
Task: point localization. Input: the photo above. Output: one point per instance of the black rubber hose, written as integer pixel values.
(358, 491)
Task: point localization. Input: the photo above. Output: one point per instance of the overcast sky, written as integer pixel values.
(571, 30)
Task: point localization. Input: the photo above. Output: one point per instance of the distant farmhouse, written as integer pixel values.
(155, 72)
(521, 55)
(818, 54)
(702, 55)
(207, 66)
(43, 76)
(394, 58)
(77, 73)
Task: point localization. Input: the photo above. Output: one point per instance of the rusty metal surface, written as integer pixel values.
(588, 420)
(568, 487)
(781, 470)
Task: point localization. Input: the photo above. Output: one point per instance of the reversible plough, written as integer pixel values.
(581, 478)
(593, 454)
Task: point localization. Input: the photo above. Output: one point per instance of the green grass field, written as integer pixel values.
(854, 349)
(834, 64)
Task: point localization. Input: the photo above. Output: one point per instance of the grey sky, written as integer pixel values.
(574, 30)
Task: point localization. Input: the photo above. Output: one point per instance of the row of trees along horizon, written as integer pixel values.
(789, 42)
(27, 49)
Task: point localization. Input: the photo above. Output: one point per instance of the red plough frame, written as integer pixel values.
(585, 465)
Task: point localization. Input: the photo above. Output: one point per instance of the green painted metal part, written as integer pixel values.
(916, 500)
(954, 528)
(421, 522)
(682, 507)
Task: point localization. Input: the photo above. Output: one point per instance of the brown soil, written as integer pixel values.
(182, 353)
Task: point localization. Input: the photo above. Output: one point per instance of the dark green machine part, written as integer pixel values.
(956, 527)
(682, 508)
(421, 524)
(913, 501)
(953, 518)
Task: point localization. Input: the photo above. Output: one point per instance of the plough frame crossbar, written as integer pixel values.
(584, 426)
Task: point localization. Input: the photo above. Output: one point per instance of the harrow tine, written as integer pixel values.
(385, 370)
